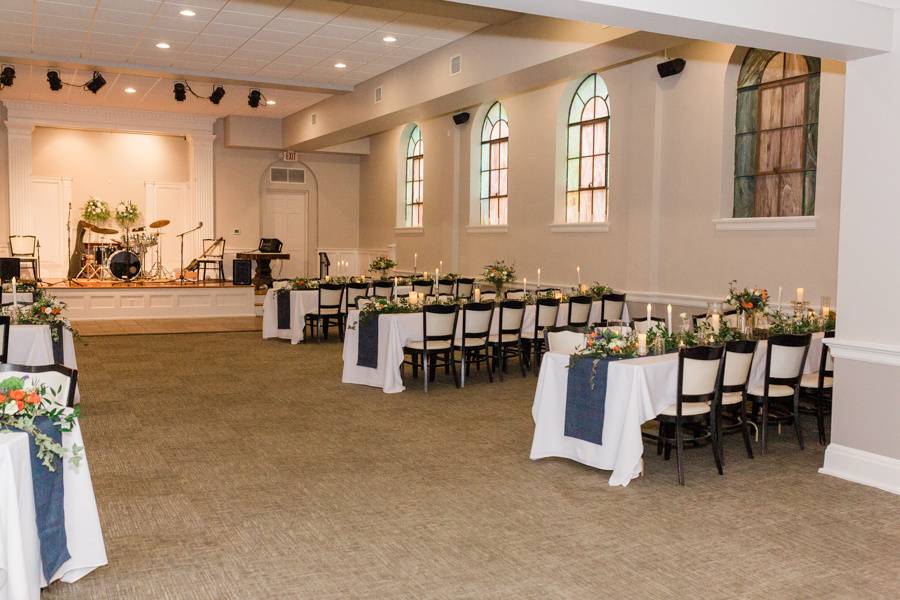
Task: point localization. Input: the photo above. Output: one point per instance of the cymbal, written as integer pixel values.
(160, 223)
(104, 230)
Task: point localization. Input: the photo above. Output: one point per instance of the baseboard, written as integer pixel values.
(859, 466)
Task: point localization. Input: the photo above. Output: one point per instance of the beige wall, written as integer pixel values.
(111, 166)
(667, 172)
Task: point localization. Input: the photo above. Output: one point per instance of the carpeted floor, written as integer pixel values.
(229, 467)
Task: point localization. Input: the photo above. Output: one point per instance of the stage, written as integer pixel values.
(95, 299)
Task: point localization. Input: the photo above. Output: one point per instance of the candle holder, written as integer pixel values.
(800, 309)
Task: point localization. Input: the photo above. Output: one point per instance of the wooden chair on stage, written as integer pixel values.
(27, 249)
(214, 256)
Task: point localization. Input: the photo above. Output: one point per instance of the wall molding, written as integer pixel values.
(868, 352)
(580, 227)
(766, 224)
(859, 466)
(487, 228)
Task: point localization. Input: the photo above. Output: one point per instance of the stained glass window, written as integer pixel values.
(415, 178)
(776, 135)
(587, 155)
(494, 166)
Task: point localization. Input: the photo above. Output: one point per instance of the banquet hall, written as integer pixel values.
(449, 299)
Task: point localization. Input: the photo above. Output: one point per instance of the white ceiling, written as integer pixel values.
(280, 42)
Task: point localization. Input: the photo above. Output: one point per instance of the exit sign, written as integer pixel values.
(289, 156)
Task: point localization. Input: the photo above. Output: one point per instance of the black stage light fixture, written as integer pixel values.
(179, 90)
(670, 67)
(96, 82)
(460, 118)
(217, 94)
(253, 98)
(7, 75)
(54, 80)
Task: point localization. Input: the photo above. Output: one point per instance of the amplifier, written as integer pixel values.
(242, 272)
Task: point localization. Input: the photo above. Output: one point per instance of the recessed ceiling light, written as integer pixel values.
(389, 39)
(187, 13)
(130, 90)
(340, 66)
(270, 102)
(163, 45)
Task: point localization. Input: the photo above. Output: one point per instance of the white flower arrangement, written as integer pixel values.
(127, 213)
(95, 211)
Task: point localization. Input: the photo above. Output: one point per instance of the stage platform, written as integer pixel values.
(95, 299)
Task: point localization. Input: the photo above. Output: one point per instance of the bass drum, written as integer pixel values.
(125, 265)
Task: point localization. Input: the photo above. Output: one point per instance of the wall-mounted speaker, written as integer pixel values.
(460, 118)
(671, 67)
(241, 272)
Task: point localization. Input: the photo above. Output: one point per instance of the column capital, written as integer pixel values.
(20, 127)
(200, 140)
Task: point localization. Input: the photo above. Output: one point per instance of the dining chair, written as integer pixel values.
(507, 342)
(516, 294)
(579, 311)
(564, 339)
(735, 378)
(446, 287)
(328, 311)
(383, 288)
(27, 249)
(464, 287)
(777, 398)
(472, 344)
(364, 301)
(642, 325)
(436, 346)
(729, 318)
(489, 296)
(423, 286)
(60, 381)
(699, 376)
(817, 387)
(546, 312)
(213, 256)
(355, 291)
(612, 307)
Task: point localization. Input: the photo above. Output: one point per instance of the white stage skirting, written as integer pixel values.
(156, 302)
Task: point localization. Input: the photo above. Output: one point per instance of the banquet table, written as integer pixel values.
(32, 345)
(395, 330)
(21, 576)
(636, 391)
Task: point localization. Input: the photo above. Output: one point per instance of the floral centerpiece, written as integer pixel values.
(597, 290)
(45, 310)
(298, 283)
(22, 402)
(750, 303)
(383, 306)
(499, 274)
(95, 211)
(602, 342)
(127, 213)
(382, 264)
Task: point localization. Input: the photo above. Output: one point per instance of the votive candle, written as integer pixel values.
(477, 294)
(642, 343)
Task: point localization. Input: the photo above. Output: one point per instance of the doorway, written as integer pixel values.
(284, 216)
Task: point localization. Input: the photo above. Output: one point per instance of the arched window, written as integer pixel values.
(587, 167)
(415, 179)
(776, 134)
(494, 165)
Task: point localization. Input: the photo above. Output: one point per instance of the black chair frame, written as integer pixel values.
(477, 354)
(579, 300)
(502, 351)
(321, 322)
(36, 370)
(433, 358)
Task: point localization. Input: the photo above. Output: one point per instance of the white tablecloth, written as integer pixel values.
(395, 330)
(31, 345)
(636, 391)
(21, 576)
(302, 303)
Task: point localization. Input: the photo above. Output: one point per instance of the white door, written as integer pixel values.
(170, 201)
(284, 217)
(49, 206)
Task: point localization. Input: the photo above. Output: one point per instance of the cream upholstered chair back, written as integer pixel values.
(446, 287)
(23, 245)
(515, 294)
(565, 341)
(363, 301)
(700, 375)
(440, 321)
(214, 249)
(446, 297)
(512, 313)
(383, 289)
(787, 361)
(356, 290)
(488, 296)
(547, 312)
(613, 307)
(59, 381)
(464, 287)
(423, 286)
(642, 325)
(579, 310)
(477, 318)
(731, 319)
(331, 297)
(737, 367)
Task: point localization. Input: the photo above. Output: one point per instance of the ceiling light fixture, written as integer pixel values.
(253, 98)
(163, 45)
(187, 13)
(130, 90)
(54, 80)
(340, 65)
(179, 91)
(96, 82)
(270, 102)
(389, 39)
(217, 94)
(7, 75)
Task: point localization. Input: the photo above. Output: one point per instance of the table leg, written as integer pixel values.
(263, 275)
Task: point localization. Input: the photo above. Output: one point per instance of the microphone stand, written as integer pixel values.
(69, 280)
(181, 278)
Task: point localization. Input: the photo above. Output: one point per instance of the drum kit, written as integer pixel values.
(125, 259)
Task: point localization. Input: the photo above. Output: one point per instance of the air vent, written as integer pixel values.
(455, 64)
(314, 117)
(378, 94)
(287, 175)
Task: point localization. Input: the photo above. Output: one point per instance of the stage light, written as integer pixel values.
(187, 13)
(389, 39)
(7, 75)
(96, 82)
(217, 94)
(179, 90)
(253, 98)
(54, 80)
(163, 45)
(340, 66)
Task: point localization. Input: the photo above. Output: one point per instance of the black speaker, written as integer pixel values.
(671, 67)
(241, 272)
(9, 268)
(460, 118)
(270, 245)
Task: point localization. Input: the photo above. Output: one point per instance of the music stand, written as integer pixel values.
(181, 278)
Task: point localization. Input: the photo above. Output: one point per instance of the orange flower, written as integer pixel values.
(765, 295)
(20, 405)
(747, 304)
(17, 395)
(33, 398)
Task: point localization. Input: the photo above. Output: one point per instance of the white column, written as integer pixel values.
(19, 144)
(203, 183)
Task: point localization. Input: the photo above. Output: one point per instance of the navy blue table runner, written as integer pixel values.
(367, 348)
(284, 309)
(586, 398)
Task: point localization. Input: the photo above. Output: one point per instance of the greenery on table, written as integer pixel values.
(383, 306)
(602, 342)
(127, 213)
(22, 401)
(671, 341)
(498, 274)
(598, 290)
(95, 211)
(809, 322)
(45, 310)
(297, 283)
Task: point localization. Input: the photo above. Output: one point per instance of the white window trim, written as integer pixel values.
(403, 230)
(601, 227)
(475, 170)
(402, 144)
(487, 229)
(804, 223)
